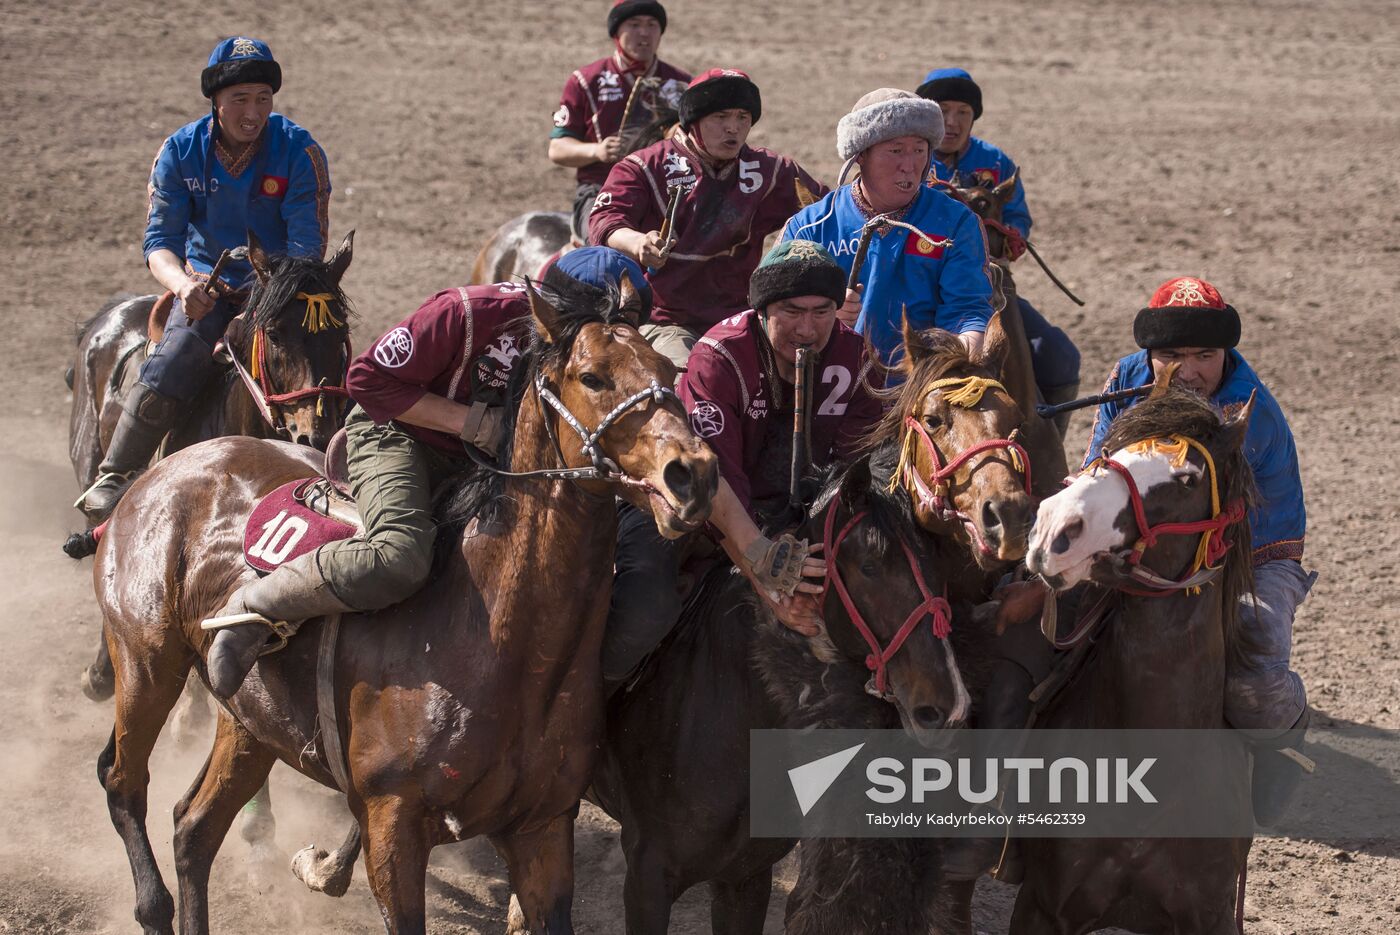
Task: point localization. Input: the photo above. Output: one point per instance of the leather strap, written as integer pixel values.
(331, 748)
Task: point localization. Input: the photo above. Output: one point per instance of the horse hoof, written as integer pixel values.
(313, 867)
(95, 687)
(515, 918)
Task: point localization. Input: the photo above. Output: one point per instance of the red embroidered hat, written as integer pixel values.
(1186, 312)
(719, 89)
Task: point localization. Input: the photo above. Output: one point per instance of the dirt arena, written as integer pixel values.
(1155, 140)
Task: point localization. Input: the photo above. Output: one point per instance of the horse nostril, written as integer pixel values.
(929, 718)
(991, 517)
(678, 479)
(303, 439)
(1067, 536)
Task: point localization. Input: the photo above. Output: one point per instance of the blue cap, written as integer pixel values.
(240, 60)
(952, 84)
(601, 269)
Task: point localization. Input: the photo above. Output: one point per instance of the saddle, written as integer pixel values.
(303, 515)
(160, 314)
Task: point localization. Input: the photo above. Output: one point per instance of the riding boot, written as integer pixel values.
(1055, 395)
(146, 418)
(1276, 774)
(295, 592)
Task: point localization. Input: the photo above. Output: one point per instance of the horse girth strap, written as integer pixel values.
(327, 723)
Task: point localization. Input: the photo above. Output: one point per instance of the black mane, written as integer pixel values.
(269, 301)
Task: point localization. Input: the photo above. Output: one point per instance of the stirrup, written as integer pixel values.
(1304, 762)
(281, 629)
(126, 477)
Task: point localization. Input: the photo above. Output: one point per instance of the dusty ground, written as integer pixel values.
(1253, 143)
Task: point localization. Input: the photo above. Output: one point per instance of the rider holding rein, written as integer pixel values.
(588, 124)
(430, 384)
(739, 392)
(965, 161)
(1187, 323)
(731, 196)
(241, 167)
(935, 274)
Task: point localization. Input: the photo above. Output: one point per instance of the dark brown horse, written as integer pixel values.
(474, 707)
(299, 355)
(1157, 663)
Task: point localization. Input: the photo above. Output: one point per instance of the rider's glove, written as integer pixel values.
(484, 427)
(776, 565)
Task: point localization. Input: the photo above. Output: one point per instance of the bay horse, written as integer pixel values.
(299, 355)
(474, 707)
(1159, 658)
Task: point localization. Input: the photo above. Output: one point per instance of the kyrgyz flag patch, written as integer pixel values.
(919, 246)
(273, 186)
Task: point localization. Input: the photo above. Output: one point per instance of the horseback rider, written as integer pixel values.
(1187, 323)
(436, 380)
(965, 161)
(239, 168)
(587, 133)
(730, 196)
(739, 391)
(914, 272)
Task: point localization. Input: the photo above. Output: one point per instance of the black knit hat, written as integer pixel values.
(719, 89)
(796, 268)
(952, 84)
(240, 60)
(1186, 312)
(624, 10)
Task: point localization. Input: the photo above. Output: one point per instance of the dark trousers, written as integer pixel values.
(584, 196)
(182, 362)
(645, 603)
(1053, 355)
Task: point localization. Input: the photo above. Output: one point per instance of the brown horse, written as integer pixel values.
(474, 707)
(1159, 660)
(303, 366)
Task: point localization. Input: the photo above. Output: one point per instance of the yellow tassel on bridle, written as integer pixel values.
(318, 315)
(966, 391)
(256, 367)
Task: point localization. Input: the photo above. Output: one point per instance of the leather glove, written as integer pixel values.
(484, 427)
(777, 564)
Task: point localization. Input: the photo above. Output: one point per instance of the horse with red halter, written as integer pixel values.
(1154, 525)
(288, 353)
(474, 707)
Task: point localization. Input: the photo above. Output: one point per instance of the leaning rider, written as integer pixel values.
(932, 270)
(240, 168)
(587, 133)
(433, 382)
(732, 196)
(739, 392)
(1187, 323)
(965, 161)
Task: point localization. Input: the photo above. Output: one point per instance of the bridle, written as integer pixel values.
(318, 317)
(1213, 545)
(934, 493)
(934, 607)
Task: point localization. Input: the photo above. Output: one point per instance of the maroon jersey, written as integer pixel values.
(462, 344)
(595, 98)
(726, 390)
(720, 224)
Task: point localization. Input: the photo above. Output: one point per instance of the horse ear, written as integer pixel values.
(1163, 379)
(630, 302)
(996, 346)
(855, 484)
(1236, 424)
(1007, 190)
(257, 258)
(548, 321)
(914, 348)
(341, 261)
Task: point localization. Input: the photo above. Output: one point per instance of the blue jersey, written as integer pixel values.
(1277, 524)
(936, 286)
(201, 207)
(984, 164)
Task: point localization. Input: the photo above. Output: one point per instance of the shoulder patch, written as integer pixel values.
(706, 419)
(395, 348)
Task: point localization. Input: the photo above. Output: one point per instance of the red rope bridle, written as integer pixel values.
(318, 317)
(936, 608)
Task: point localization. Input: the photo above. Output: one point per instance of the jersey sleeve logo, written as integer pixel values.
(274, 186)
(395, 348)
(603, 200)
(561, 116)
(917, 245)
(706, 419)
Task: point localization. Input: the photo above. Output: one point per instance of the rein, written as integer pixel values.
(936, 608)
(934, 493)
(317, 318)
(1213, 545)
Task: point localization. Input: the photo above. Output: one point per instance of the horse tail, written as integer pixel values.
(82, 544)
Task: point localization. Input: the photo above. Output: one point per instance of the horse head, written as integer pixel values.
(988, 202)
(1155, 507)
(294, 335)
(613, 392)
(884, 605)
(960, 463)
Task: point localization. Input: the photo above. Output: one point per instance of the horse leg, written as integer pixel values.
(98, 679)
(648, 892)
(740, 908)
(328, 873)
(236, 767)
(259, 826)
(541, 865)
(191, 713)
(146, 690)
(396, 861)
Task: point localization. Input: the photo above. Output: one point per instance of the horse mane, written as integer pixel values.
(944, 353)
(1178, 411)
(269, 300)
(81, 328)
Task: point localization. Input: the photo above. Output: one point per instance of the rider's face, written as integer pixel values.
(1201, 368)
(802, 321)
(724, 132)
(243, 110)
(891, 172)
(957, 126)
(640, 37)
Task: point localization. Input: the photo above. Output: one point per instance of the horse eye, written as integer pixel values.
(273, 337)
(933, 420)
(592, 381)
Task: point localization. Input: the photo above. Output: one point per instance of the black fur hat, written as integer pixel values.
(624, 10)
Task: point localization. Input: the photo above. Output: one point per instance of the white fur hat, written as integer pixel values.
(886, 114)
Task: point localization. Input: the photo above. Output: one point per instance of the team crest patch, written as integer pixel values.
(706, 419)
(274, 186)
(243, 47)
(395, 348)
(561, 116)
(676, 164)
(917, 245)
(602, 201)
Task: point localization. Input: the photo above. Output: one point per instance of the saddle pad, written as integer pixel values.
(282, 527)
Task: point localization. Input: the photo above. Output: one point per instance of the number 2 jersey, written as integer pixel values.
(720, 223)
(732, 405)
